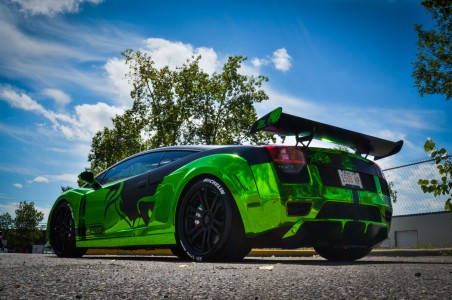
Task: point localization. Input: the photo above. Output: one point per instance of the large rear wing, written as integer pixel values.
(305, 130)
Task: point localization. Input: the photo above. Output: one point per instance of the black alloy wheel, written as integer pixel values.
(209, 225)
(62, 234)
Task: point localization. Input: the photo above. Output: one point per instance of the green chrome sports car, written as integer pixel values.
(217, 202)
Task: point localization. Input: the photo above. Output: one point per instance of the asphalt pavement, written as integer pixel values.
(38, 276)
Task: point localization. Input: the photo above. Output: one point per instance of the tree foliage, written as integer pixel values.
(65, 188)
(392, 191)
(433, 75)
(6, 222)
(24, 232)
(111, 145)
(181, 106)
(433, 68)
(443, 163)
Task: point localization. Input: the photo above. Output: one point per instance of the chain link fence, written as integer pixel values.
(410, 199)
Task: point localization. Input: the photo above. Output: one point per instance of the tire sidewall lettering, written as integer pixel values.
(197, 258)
(186, 248)
(215, 184)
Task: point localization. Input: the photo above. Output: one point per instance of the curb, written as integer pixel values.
(167, 252)
(411, 252)
(281, 253)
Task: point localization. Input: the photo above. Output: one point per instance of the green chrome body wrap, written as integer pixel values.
(264, 203)
(276, 197)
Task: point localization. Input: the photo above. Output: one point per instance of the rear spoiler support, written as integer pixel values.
(306, 138)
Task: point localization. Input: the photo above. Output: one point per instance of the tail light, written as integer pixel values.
(287, 159)
(385, 188)
(379, 171)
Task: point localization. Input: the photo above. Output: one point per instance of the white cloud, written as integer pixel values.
(60, 98)
(21, 101)
(56, 53)
(175, 54)
(259, 62)
(164, 53)
(95, 117)
(116, 70)
(282, 60)
(61, 178)
(9, 208)
(18, 185)
(40, 179)
(168, 53)
(52, 7)
(26, 48)
(87, 120)
(209, 59)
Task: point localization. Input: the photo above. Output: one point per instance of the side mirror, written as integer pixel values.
(88, 177)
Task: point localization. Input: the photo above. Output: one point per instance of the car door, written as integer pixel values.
(147, 224)
(123, 200)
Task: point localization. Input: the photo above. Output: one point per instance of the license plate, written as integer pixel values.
(349, 178)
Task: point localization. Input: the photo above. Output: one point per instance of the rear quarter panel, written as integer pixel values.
(231, 169)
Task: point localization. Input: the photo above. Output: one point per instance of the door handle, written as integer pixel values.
(141, 184)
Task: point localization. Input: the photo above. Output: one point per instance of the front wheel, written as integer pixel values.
(62, 235)
(209, 227)
(342, 253)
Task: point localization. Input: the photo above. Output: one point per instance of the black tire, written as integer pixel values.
(62, 235)
(209, 227)
(342, 253)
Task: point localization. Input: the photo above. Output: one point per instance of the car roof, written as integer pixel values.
(186, 148)
(194, 148)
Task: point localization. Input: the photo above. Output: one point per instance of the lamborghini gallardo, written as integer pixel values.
(216, 203)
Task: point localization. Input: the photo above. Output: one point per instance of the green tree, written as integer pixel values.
(112, 145)
(392, 191)
(25, 232)
(343, 148)
(433, 68)
(65, 188)
(444, 165)
(433, 75)
(6, 223)
(179, 107)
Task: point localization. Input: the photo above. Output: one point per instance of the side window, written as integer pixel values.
(133, 167)
(100, 177)
(171, 156)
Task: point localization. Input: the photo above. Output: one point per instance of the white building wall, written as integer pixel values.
(421, 230)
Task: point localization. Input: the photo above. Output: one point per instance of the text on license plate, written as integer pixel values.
(349, 178)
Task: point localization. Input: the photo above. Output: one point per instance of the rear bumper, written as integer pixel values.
(346, 233)
(337, 233)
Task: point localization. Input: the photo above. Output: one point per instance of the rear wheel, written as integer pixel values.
(209, 226)
(342, 253)
(62, 235)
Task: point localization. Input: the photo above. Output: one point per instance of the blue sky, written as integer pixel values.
(346, 63)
